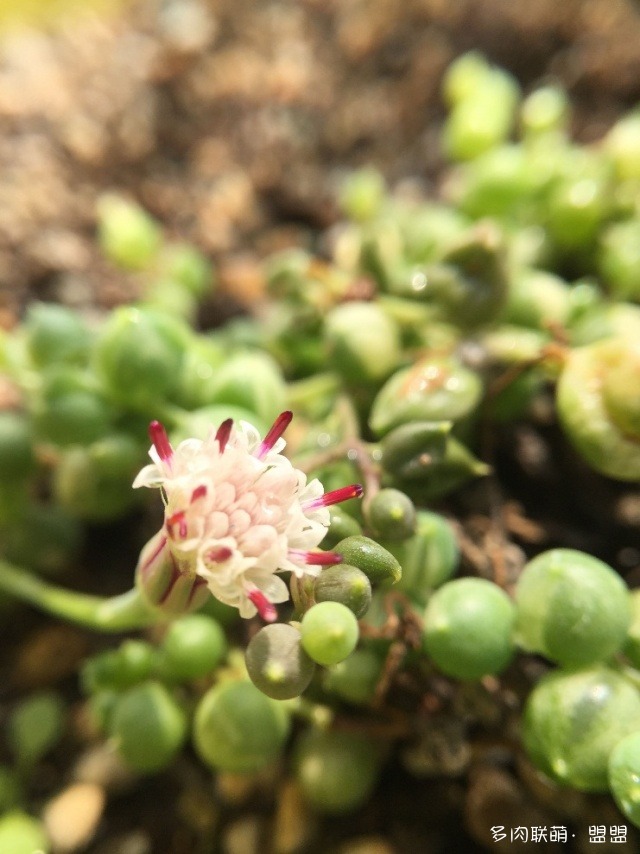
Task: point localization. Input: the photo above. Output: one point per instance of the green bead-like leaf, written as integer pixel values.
(237, 728)
(572, 721)
(378, 564)
(35, 727)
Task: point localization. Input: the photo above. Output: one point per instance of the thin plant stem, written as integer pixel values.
(121, 613)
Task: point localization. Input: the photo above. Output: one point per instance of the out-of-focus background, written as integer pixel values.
(232, 120)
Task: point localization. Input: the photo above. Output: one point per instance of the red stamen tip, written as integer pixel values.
(198, 492)
(218, 554)
(265, 608)
(178, 518)
(315, 558)
(279, 426)
(355, 490)
(160, 441)
(223, 433)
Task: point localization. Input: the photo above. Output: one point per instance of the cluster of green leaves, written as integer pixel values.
(86, 389)
(387, 349)
(526, 267)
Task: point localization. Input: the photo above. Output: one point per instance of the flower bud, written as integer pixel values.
(162, 585)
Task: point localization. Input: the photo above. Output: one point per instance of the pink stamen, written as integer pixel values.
(178, 519)
(160, 441)
(218, 554)
(334, 497)
(223, 433)
(265, 608)
(315, 558)
(198, 492)
(279, 426)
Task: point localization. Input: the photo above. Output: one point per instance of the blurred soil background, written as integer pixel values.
(232, 122)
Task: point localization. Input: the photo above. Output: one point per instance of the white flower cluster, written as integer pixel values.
(237, 513)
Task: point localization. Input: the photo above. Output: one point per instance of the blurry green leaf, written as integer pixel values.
(35, 726)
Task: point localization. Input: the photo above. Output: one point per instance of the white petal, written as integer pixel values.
(150, 476)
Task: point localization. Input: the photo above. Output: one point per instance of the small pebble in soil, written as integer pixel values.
(293, 823)
(243, 836)
(367, 845)
(102, 766)
(236, 789)
(72, 817)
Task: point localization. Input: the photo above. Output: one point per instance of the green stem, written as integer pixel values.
(105, 614)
